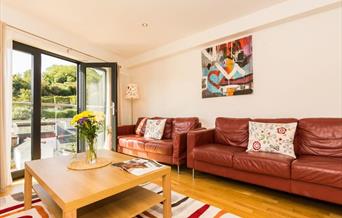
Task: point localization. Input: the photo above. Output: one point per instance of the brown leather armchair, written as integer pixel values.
(171, 149)
(316, 173)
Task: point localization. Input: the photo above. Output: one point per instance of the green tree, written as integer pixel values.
(27, 76)
(19, 83)
(60, 74)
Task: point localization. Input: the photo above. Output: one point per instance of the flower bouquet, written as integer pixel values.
(89, 124)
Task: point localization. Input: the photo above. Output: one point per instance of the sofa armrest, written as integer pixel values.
(179, 148)
(196, 138)
(126, 130)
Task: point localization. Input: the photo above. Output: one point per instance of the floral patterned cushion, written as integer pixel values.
(155, 128)
(272, 137)
(140, 127)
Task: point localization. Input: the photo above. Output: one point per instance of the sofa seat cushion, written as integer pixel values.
(318, 169)
(216, 154)
(159, 146)
(264, 163)
(135, 142)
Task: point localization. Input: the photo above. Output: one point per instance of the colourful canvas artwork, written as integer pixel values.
(227, 69)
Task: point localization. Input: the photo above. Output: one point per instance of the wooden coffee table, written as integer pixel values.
(102, 192)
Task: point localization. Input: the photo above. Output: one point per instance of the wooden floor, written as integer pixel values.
(240, 198)
(249, 200)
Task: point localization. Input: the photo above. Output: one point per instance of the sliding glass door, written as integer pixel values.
(48, 90)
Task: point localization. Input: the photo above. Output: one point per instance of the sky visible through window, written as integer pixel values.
(21, 62)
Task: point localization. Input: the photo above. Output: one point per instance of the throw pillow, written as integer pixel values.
(272, 137)
(155, 128)
(139, 129)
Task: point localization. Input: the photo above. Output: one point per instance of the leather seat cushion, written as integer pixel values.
(264, 163)
(216, 154)
(135, 142)
(164, 146)
(318, 169)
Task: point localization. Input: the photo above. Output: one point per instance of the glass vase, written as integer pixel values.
(91, 154)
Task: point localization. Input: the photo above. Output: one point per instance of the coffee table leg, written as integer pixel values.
(70, 214)
(167, 195)
(28, 190)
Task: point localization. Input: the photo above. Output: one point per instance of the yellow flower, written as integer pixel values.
(80, 116)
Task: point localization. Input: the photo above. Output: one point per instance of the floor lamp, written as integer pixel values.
(132, 94)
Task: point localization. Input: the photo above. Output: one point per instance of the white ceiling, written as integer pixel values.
(116, 24)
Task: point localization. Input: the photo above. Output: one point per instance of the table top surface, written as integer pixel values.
(74, 189)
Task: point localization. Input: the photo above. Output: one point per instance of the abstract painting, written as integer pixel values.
(227, 69)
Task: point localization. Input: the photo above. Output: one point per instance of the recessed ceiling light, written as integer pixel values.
(144, 25)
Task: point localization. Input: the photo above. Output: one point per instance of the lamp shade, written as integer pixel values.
(132, 91)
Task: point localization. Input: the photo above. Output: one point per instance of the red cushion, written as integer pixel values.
(264, 163)
(318, 169)
(232, 131)
(320, 136)
(135, 142)
(216, 154)
(159, 146)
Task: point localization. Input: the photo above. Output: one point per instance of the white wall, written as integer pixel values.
(297, 73)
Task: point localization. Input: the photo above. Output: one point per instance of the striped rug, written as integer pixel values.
(12, 206)
(183, 206)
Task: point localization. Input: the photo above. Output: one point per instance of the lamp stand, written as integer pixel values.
(132, 111)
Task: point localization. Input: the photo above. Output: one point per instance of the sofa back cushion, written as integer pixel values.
(185, 124)
(232, 131)
(168, 127)
(320, 136)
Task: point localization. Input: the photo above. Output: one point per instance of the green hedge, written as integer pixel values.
(21, 113)
(59, 99)
(66, 113)
(24, 113)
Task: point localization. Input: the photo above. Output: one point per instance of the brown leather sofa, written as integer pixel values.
(315, 173)
(171, 149)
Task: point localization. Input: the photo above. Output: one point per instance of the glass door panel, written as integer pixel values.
(21, 109)
(96, 97)
(100, 88)
(58, 106)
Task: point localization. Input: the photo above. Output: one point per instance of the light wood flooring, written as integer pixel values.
(240, 198)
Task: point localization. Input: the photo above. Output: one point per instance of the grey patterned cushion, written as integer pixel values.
(155, 128)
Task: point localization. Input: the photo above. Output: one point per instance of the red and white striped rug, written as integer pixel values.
(12, 206)
(184, 206)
